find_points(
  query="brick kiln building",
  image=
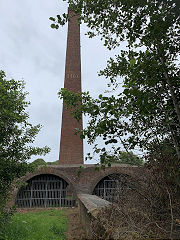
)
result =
(59, 185)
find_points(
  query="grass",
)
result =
(40, 225)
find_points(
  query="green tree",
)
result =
(38, 162)
(16, 137)
(147, 111)
(41, 162)
(127, 158)
(53, 163)
(146, 114)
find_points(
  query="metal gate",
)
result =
(45, 191)
(107, 190)
(112, 187)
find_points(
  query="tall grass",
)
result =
(41, 225)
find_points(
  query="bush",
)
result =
(16, 138)
(151, 209)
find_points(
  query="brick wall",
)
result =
(89, 207)
(71, 146)
(88, 178)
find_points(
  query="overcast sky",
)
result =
(32, 51)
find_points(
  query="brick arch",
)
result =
(41, 171)
(106, 173)
(48, 170)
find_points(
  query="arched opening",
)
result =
(45, 190)
(113, 186)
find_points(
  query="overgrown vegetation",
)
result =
(16, 138)
(145, 115)
(38, 225)
(149, 209)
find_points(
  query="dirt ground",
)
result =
(75, 230)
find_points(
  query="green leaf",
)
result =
(52, 19)
(53, 25)
(132, 62)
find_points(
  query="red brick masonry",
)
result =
(88, 178)
(71, 146)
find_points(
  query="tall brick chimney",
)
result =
(71, 146)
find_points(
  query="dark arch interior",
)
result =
(45, 190)
(112, 186)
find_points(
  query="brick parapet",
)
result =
(89, 207)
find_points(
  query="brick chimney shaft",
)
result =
(71, 146)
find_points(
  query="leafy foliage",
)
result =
(145, 115)
(53, 163)
(41, 162)
(38, 162)
(16, 136)
(128, 158)
(147, 111)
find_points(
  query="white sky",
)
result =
(32, 51)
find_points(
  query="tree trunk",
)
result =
(175, 101)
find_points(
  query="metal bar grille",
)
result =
(110, 189)
(107, 190)
(45, 191)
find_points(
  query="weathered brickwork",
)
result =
(88, 178)
(89, 208)
(71, 146)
